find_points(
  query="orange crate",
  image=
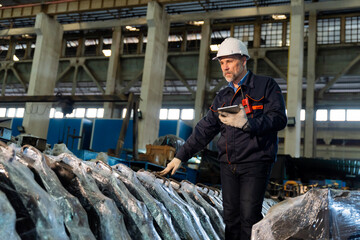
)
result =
(160, 154)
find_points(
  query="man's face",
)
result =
(233, 68)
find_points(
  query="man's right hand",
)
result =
(173, 165)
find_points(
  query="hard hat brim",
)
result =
(218, 58)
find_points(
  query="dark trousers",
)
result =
(243, 189)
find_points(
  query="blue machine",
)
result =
(106, 133)
(75, 133)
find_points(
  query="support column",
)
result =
(294, 78)
(42, 77)
(154, 73)
(310, 136)
(202, 75)
(113, 74)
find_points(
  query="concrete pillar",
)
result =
(11, 50)
(294, 78)
(42, 77)
(113, 74)
(154, 73)
(257, 33)
(202, 75)
(309, 141)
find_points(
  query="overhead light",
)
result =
(279, 16)
(15, 58)
(214, 47)
(107, 52)
(196, 23)
(0, 5)
(130, 28)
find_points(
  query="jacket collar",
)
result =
(249, 81)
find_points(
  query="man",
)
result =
(248, 142)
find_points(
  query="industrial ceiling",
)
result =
(137, 9)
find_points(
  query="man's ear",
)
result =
(244, 61)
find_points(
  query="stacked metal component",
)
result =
(318, 214)
(63, 197)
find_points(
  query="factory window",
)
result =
(187, 114)
(20, 112)
(11, 112)
(245, 33)
(306, 32)
(173, 114)
(91, 112)
(58, 114)
(52, 112)
(353, 115)
(100, 113)
(352, 29)
(2, 112)
(337, 115)
(302, 115)
(71, 115)
(328, 31)
(80, 113)
(163, 114)
(271, 35)
(124, 113)
(130, 44)
(321, 115)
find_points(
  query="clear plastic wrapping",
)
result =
(165, 183)
(7, 219)
(105, 219)
(138, 220)
(318, 214)
(42, 209)
(181, 220)
(204, 218)
(216, 219)
(156, 208)
(75, 217)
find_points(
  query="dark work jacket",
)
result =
(258, 141)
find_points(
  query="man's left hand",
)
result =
(237, 120)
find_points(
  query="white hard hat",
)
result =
(232, 46)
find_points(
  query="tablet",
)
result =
(230, 109)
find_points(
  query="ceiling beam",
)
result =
(72, 6)
(77, 98)
(104, 24)
(338, 76)
(17, 31)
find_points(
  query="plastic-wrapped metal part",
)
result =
(170, 140)
(7, 219)
(204, 218)
(209, 196)
(158, 211)
(105, 219)
(165, 183)
(182, 221)
(318, 214)
(345, 214)
(138, 220)
(48, 221)
(267, 204)
(215, 217)
(75, 217)
(25, 226)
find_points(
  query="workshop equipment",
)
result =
(158, 154)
